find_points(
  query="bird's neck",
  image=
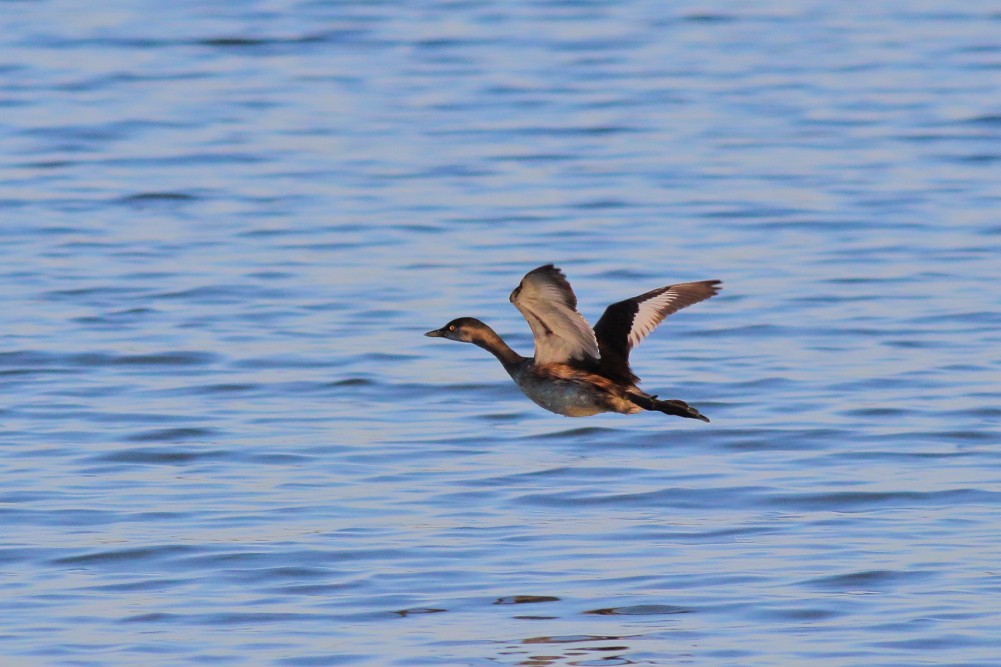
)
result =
(495, 345)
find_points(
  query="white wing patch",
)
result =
(649, 314)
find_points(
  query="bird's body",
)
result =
(578, 371)
(570, 391)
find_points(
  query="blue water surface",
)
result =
(225, 226)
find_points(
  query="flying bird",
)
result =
(578, 371)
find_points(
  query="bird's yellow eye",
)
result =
(451, 327)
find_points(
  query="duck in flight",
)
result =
(578, 371)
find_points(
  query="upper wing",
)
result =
(561, 333)
(628, 322)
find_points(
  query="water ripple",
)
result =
(225, 228)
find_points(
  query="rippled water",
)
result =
(225, 227)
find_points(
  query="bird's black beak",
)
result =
(434, 333)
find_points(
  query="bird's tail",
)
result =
(669, 407)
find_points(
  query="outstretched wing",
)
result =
(549, 305)
(628, 322)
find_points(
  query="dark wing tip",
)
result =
(554, 274)
(550, 270)
(690, 293)
(712, 286)
(686, 294)
(547, 269)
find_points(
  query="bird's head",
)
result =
(462, 329)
